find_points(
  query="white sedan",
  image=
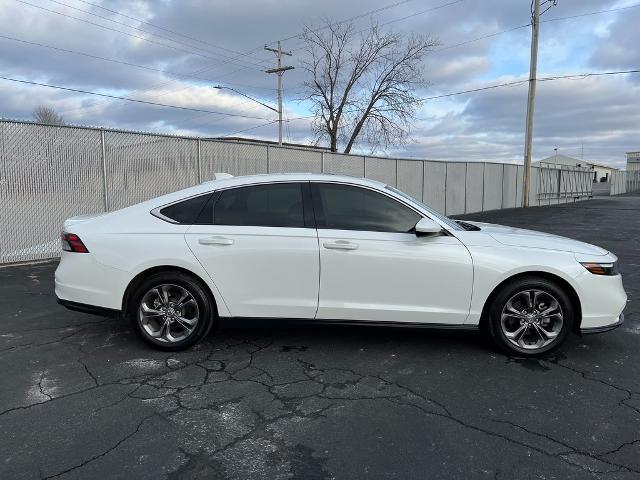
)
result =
(333, 249)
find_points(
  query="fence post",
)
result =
(446, 172)
(466, 172)
(423, 181)
(105, 184)
(321, 162)
(484, 166)
(198, 163)
(502, 188)
(268, 161)
(396, 185)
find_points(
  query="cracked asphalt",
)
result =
(83, 397)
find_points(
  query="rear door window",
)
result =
(272, 205)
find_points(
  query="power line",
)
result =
(501, 85)
(518, 27)
(359, 16)
(522, 82)
(435, 97)
(586, 75)
(474, 90)
(87, 12)
(495, 34)
(514, 83)
(350, 19)
(121, 62)
(116, 97)
(635, 5)
(342, 21)
(147, 90)
(247, 129)
(139, 37)
(96, 5)
(422, 12)
(151, 41)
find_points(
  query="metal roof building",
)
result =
(633, 161)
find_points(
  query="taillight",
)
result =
(72, 243)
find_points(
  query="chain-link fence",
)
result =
(49, 173)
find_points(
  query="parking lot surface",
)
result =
(83, 397)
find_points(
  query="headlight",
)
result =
(610, 268)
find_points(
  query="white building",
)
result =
(633, 161)
(599, 170)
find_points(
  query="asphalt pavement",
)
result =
(82, 397)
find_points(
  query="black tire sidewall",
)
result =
(495, 312)
(195, 288)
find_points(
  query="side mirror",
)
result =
(426, 226)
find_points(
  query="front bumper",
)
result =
(606, 328)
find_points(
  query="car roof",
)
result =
(288, 177)
(226, 182)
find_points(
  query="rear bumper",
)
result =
(606, 328)
(80, 279)
(91, 309)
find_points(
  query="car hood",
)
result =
(519, 237)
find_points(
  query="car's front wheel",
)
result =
(530, 316)
(171, 310)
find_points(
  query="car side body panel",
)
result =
(260, 271)
(602, 298)
(121, 246)
(396, 277)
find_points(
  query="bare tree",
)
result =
(362, 84)
(43, 114)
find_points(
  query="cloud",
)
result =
(601, 114)
(223, 42)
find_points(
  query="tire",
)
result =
(518, 328)
(172, 310)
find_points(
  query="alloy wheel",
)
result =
(532, 319)
(168, 313)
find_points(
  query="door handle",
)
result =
(340, 245)
(215, 241)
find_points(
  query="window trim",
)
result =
(316, 199)
(308, 217)
(309, 212)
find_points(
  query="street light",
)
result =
(220, 87)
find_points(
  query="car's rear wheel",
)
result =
(530, 316)
(171, 310)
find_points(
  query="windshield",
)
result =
(443, 218)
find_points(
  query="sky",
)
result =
(174, 52)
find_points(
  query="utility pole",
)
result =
(279, 70)
(531, 100)
(533, 72)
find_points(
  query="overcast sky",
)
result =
(222, 44)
